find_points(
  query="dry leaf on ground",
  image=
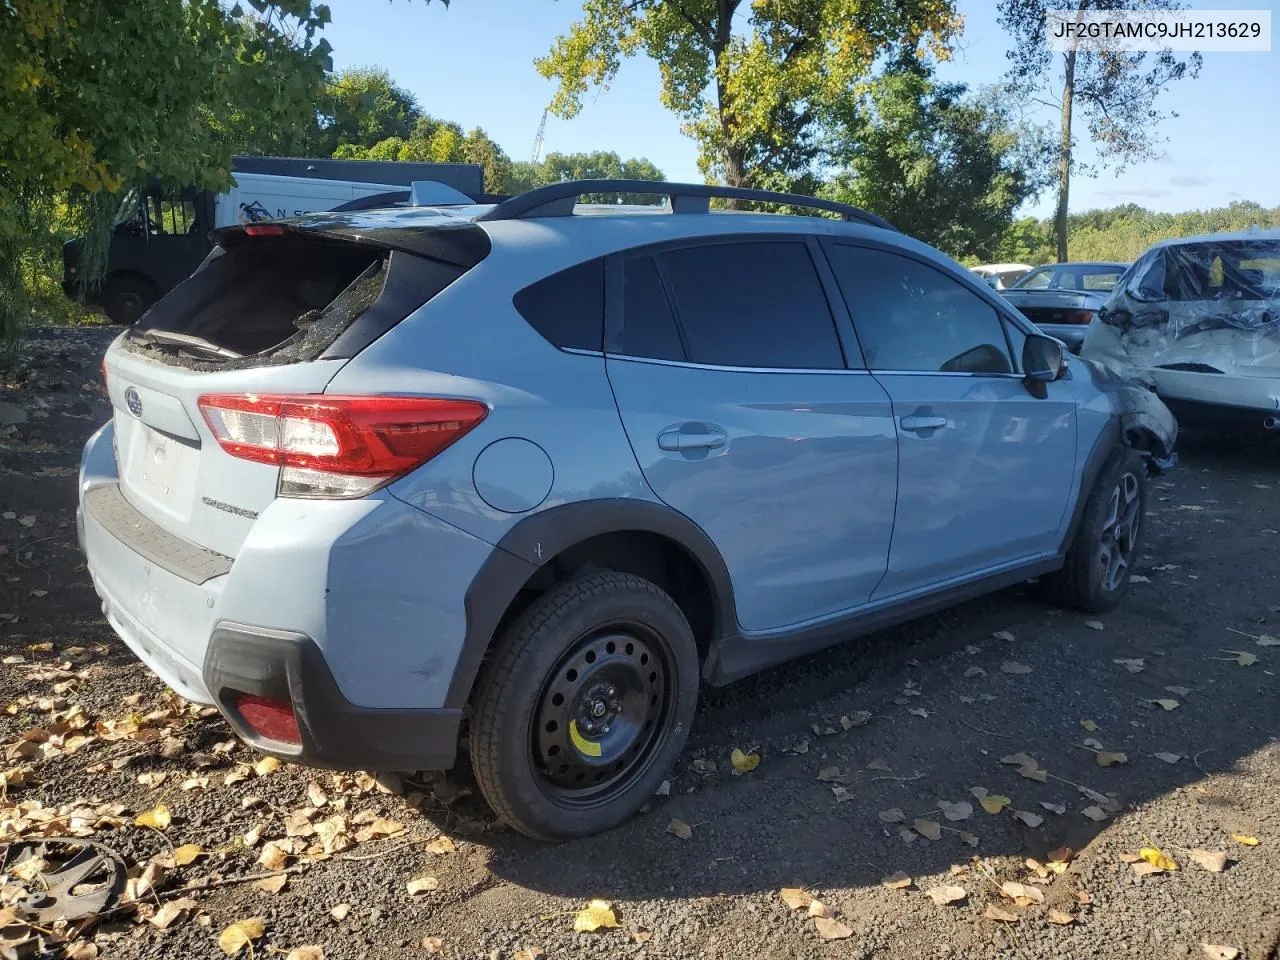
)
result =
(1213, 861)
(1019, 892)
(1062, 855)
(187, 853)
(970, 838)
(1094, 813)
(975, 672)
(1132, 664)
(1030, 819)
(879, 763)
(1244, 838)
(1094, 625)
(829, 929)
(927, 829)
(1215, 952)
(834, 775)
(158, 818)
(1168, 757)
(422, 884)
(1110, 759)
(441, 845)
(819, 909)
(1089, 725)
(892, 815)
(797, 898)
(1165, 704)
(175, 911)
(897, 881)
(680, 829)
(1058, 808)
(744, 762)
(272, 884)
(1003, 635)
(1010, 666)
(598, 915)
(1060, 917)
(919, 712)
(537, 953)
(993, 803)
(1156, 857)
(266, 765)
(841, 794)
(994, 912)
(955, 811)
(308, 952)
(273, 856)
(339, 912)
(947, 894)
(432, 945)
(241, 934)
(1242, 657)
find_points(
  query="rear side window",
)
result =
(755, 304)
(567, 308)
(912, 317)
(648, 325)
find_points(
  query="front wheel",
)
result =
(584, 706)
(1101, 557)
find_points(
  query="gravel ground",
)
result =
(930, 710)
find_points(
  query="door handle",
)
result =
(698, 440)
(919, 423)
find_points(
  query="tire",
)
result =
(125, 298)
(620, 657)
(1096, 574)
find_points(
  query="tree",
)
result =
(362, 107)
(749, 81)
(940, 165)
(439, 141)
(599, 165)
(1116, 90)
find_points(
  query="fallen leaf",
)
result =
(432, 945)
(1168, 757)
(172, 912)
(441, 845)
(994, 912)
(829, 929)
(928, 829)
(1139, 578)
(1267, 641)
(1092, 743)
(975, 672)
(422, 884)
(1094, 624)
(187, 853)
(1030, 819)
(842, 794)
(537, 953)
(1219, 953)
(1210, 860)
(241, 934)
(1106, 759)
(339, 913)
(878, 763)
(797, 898)
(970, 838)
(1244, 838)
(1144, 869)
(908, 835)
(273, 856)
(856, 719)
(833, 775)
(598, 915)
(919, 712)
(195, 783)
(955, 811)
(1021, 891)
(272, 884)
(680, 829)
(1062, 855)
(818, 909)
(1242, 657)
(1154, 856)
(316, 795)
(1010, 666)
(945, 895)
(892, 815)
(897, 881)
(744, 762)
(251, 838)
(1165, 704)
(157, 819)
(1179, 691)
(1089, 725)
(1084, 897)
(81, 950)
(1132, 664)
(1094, 813)
(1060, 917)
(305, 953)
(266, 765)
(993, 802)
(1058, 808)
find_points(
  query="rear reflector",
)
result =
(272, 719)
(337, 446)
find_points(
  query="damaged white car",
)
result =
(1198, 319)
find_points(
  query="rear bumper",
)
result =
(335, 733)
(1260, 394)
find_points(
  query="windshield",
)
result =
(1213, 270)
(1095, 277)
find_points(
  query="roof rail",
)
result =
(559, 199)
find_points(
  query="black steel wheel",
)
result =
(584, 706)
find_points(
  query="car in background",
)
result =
(1002, 276)
(1063, 298)
(1198, 318)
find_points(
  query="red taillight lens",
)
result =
(358, 443)
(272, 719)
(1083, 317)
(264, 230)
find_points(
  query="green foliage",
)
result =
(750, 82)
(361, 107)
(942, 166)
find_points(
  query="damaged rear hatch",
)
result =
(203, 386)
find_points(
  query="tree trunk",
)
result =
(1064, 158)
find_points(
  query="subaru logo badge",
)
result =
(133, 401)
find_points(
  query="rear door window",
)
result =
(910, 316)
(567, 308)
(752, 304)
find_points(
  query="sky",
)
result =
(472, 62)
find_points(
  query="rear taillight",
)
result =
(272, 719)
(337, 446)
(1077, 316)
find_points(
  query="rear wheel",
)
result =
(1096, 572)
(584, 706)
(125, 298)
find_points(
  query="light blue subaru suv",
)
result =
(524, 476)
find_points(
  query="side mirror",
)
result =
(1041, 359)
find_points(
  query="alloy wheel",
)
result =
(1120, 530)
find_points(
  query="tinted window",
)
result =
(567, 307)
(912, 317)
(752, 305)
(648, 326)
(1035, 280)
